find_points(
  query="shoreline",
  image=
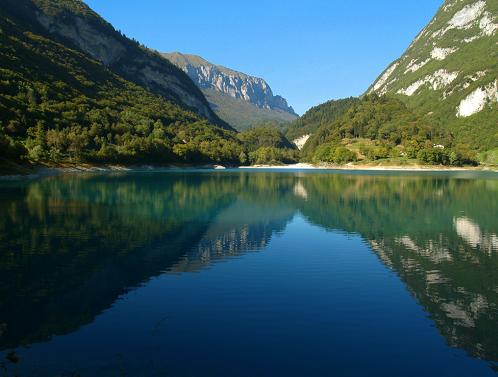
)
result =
(428, 168)
(43, 171)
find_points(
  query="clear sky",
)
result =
(309, 51)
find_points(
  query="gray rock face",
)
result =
(229, 82)
(97, 38)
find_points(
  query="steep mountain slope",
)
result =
(237, 98)
(265, 136)
(57, 103)
(450, 72)
(319, 116)
(72, 22)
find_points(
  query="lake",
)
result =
(250, 273)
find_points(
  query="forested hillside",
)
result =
(318, 116)
(57, 103)
(74, 24)
(73, 89)
(450, 72)
(379, 128)
(437, 103)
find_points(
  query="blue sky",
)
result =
(308, 51)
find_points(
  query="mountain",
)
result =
(450, 72)
(239, 99)
(73, 23)
(437, 103)
(72, 89)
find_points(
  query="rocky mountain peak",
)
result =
(229, 82)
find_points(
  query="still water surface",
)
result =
(233, 273)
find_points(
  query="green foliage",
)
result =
(57, 104)
(435, 156)
(457, 157)
(319, 116)
(489, 157)
(377, 152)
(266, 145)
(265, 136)
(393, 131)
(376, 118)
(333, 154)
(475, 66)
(272, 155)
(10, 149)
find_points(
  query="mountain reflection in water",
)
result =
(70, 246)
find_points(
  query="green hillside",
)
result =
(318, 116)
(450, 72)
(268, 145)
(73, 89)
(379, 128)
(438, 103)
(58, 104)
(74, 24)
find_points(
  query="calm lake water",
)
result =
(238, 273)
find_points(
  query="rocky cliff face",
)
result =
(72, 22)
(451, 65)
(208, 76)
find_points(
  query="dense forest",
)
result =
(59, 105)
(377, 128)
(318, 116)
(469, 59)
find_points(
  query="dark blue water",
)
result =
(250, 274)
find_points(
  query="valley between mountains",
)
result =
(75, 91)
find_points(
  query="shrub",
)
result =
(338, 155)
(324, 153)
(434, 156)
(271, 155)
(343, 155)
(462, 155)
(377, 153)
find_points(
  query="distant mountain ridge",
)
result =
(226, 88)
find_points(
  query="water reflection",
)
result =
(438, 234)
(70, 246)
(470, 231)
(242, 227)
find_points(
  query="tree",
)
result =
(343, 155)
(243, 158)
